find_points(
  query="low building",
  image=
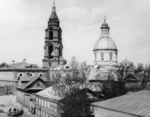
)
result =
(47, 103)
(130, 105)
(10, 73)
(26, 91)
(135, 80)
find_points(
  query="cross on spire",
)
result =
(104, 18)
(53, 2)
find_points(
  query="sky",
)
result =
(23, 24)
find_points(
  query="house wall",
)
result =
(46, 108)
(23, 98)
(20, 97)
(9, 78)
(101, 112)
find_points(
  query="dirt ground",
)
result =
(9, 101)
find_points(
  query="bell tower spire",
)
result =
(53, 42)
(54, 8)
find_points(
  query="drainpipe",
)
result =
(14, 82)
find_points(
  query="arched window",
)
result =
(111, 56)
(102, 56)
(50, 50)
(51, 34)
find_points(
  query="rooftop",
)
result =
(134, 103)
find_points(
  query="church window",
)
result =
(50, 50)
(51, 34)
(102, 56)
(111, 56)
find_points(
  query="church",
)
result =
(105, 52)
(105, 49)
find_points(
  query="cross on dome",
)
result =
(104, 24)
(53, 2)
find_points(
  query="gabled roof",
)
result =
(135, 103)
(33, 80)
(137, 77)
(130, 77)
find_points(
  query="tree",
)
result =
(125, 68)
(2, 64)
(140, 68)
(71, 85)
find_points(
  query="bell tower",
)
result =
(53, 42)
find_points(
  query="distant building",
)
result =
(12, 73)
(53, 48)
(138, 80)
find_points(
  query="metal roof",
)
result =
(22, 66)
(137, 103)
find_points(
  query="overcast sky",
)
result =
(23, 24)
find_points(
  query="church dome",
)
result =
(105, 43)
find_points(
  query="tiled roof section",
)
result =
(135, 103)
(25, 78)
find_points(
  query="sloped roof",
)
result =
(130, 77)
(135, 103)
(25, 78)
(49, 93)
(138, 77)
(21, 65)
(33, 79)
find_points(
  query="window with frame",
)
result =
(45, 103)
(102, 56)
(39, 101)
(111, 56)
(36, 100)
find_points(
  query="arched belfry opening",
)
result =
(51, 34)
(50, 51)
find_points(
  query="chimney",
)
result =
(24, 60)
(13, 61)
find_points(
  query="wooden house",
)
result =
(25, 91)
